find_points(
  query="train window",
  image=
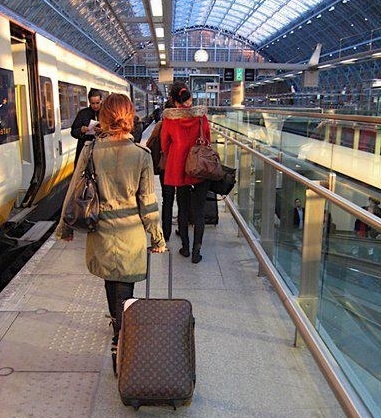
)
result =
(8, 111)
(72, 99)
(347, 137)
(367, 140)
(47, 105)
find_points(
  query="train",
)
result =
(43, 85)
(347, 145)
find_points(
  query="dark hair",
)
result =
(169, 103)
(180, 92)
(94, 93)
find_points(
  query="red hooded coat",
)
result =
(179, 132)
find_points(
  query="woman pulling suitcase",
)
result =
(117, 250)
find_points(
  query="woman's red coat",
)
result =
(179, 132)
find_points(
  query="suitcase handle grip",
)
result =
(148, 276)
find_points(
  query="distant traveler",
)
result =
(298, 214)
(362, 230)
(80, 126)
(179, 132)
(167, 192)
(157, 113)
(138, 129)
(117, 250)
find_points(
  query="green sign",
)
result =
(239, 74)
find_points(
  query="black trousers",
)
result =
(195, 197)
(117, 293)
(168, 196)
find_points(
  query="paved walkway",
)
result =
(54, 338)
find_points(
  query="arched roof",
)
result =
(118, 33)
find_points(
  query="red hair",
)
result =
(116, 115)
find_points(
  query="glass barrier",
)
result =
(329, 259)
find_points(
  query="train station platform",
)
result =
(55, 337)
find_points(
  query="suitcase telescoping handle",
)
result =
(148, 278)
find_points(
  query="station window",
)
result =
(47, 105)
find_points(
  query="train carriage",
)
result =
(43, 85)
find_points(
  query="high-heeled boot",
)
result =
(196, 256)
(114, 344)
(114, 349)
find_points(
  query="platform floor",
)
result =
(55, 339)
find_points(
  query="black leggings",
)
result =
(192, 197)
(117, 293)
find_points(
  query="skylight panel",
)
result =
(138, 8)
(249, 19)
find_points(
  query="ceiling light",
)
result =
(162, 56)
(159, 32)
(376, 55)
(325, 66)
(163, 62)
(348, 61)
(161, 46)
(156, 7)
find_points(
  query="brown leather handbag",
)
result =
(202, 161)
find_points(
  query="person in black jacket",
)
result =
(137, 132)
(298, 214)
(80, 126)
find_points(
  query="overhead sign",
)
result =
(228, 74)
(239, 74)
(249, 74)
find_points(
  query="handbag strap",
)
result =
(90, 167)
(201, 140)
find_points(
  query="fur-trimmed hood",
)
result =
(184, 112)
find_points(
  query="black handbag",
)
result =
(82, 209)
(224, 186)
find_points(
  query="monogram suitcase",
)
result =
(156, 350)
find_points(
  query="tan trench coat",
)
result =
(129, 210)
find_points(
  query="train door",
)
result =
(23, 47)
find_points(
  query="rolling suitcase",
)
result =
(211, 210)
(156, 350)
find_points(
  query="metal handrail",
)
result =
(349, 399)
(376, 120)
(346, 395)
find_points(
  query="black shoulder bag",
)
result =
(82, 209)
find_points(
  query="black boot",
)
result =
(184, 251)
(114, 349)
(196, 256)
